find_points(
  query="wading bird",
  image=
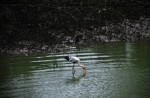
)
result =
(75, 60)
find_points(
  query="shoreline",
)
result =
(43, 48)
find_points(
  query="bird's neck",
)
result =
(84, 68)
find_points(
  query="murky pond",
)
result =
(117, 70)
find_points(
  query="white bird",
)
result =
(75, 60)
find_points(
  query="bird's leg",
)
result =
(73, 70)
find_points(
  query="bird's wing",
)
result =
(74, 59)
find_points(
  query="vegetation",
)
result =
(34, 23)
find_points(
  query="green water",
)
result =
(117, 70)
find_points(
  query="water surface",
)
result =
(116, 70)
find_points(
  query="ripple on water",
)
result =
(112, 72)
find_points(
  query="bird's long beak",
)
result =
(84, 71)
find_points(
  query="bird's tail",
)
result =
(67, 58)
